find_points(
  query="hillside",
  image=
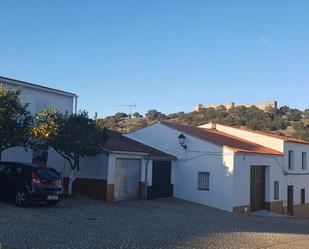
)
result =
(284, 121)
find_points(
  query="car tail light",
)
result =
(36, 180)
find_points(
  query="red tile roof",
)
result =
(283, 138)
(223, 139)
(117, 142)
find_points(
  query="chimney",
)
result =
(213, 126)
(210, 125)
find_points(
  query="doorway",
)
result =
(257, 188)
(290, 198)
(161, 180)
(127, 179)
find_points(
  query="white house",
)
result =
(39, 98)
(234, 169)
(125, 170)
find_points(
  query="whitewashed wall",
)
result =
(42, 99)
(38, 100)
(298, 181)
(273, 172)
(90, 167)
(271, 142)
(200, 156)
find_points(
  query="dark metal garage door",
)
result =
(127, 179)
(161, 180)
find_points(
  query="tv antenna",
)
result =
(131, 106)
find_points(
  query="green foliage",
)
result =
(15, 120)
(278, 121)
(137, 115)
(294, 115)
(78, 136)
(120, 116)
(306, 113)
(154, 115)
(44, 128)
(73, 136)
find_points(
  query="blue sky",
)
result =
(168, 55)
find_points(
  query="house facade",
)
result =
(39, 98)
(233, 169)
(294, 181)
(124, 170)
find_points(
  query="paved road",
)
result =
(165, 223)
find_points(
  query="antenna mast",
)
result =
(131, 106)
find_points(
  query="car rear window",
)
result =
(47, 174)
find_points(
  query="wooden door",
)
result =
(257, 188)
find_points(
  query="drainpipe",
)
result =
(75, 105)
(146, 177)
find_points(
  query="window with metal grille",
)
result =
(203, 181)
(304, 160)
(291, 159)
(302, 196)
(276, 190)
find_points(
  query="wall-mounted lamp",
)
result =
(182, 140)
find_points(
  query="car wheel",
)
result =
(51, 203)
(22, 198)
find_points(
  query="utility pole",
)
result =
(131, 106)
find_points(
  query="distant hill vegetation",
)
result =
(283, 121)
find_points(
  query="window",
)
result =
(14, 170)
(302, 196)
(276, 190)
(304, 160)
(291, 159)
(40, 157)
(203, 181)
(2, 169)
(41, 104)
(47, 174)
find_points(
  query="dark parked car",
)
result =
(25, 183)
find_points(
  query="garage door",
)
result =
(127, 179)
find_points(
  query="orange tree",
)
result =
(73, 136)
(15, 121)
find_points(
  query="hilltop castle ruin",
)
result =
(266, 106)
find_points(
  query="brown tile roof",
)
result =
(220, 138)
(283, 138)
(117, 142)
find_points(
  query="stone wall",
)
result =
(266, 106)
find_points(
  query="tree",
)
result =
(73, 136)
(283, 110)
(306, 113)
(120, 116)
(153, 114)
(294, 115)
(137, 115)
(15, 120)
(44, 128)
